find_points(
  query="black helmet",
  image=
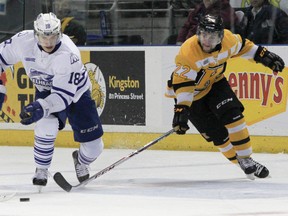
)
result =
(211, 23)
(210, 31)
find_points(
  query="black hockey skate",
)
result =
(247, 165)
(82, 171)
(40, 177)
(262, 171)
(252, 168)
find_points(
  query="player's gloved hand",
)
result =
(2, 94)
(31, 113)
(180, 120)
(269, 59)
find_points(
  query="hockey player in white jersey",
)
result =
(53, 63)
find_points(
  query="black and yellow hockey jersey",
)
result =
(196, 71)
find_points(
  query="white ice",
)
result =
(152, 183)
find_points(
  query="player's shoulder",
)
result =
(190, 43)
(190, 47)
(190, 51)
(67, 58)
(66, 41)
(230, 39)
(23, 37)
(24, 34)
(68, 46)
(22, 41)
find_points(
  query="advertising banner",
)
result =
(263, 93)
(118, 87)
(124, 75)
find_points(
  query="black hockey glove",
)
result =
(180, 120)
(31, 113)
(269, 59)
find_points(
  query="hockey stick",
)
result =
(62, 182)
(7, 196)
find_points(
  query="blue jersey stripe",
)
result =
(63, 98)
(83, 84)
(63, 91)
(3, 60)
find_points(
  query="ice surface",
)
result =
(152, 183)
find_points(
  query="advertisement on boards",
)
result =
(124, 74)
(118, 87)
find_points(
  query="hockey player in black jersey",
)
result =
(204, 96)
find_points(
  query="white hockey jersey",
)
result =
(61, 72)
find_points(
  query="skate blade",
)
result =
(269, 176)
(39, 188)
(251, 176)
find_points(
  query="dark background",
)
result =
(122, 64)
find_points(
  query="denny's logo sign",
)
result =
(262, 93)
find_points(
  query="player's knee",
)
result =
(92, 149)
(217, 135)
(220, 140)
(231, 116)
(47, 127)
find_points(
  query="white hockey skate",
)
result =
(82, 171)
(40, 178)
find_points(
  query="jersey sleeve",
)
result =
(247, 49)
(69, 83)
(10, 52)
(184, 78)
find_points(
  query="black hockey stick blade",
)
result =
(61, 181)
(65, 185)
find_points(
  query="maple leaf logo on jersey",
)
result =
(73, 58)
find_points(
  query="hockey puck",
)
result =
(24, 199)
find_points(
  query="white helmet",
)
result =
(47, 24)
